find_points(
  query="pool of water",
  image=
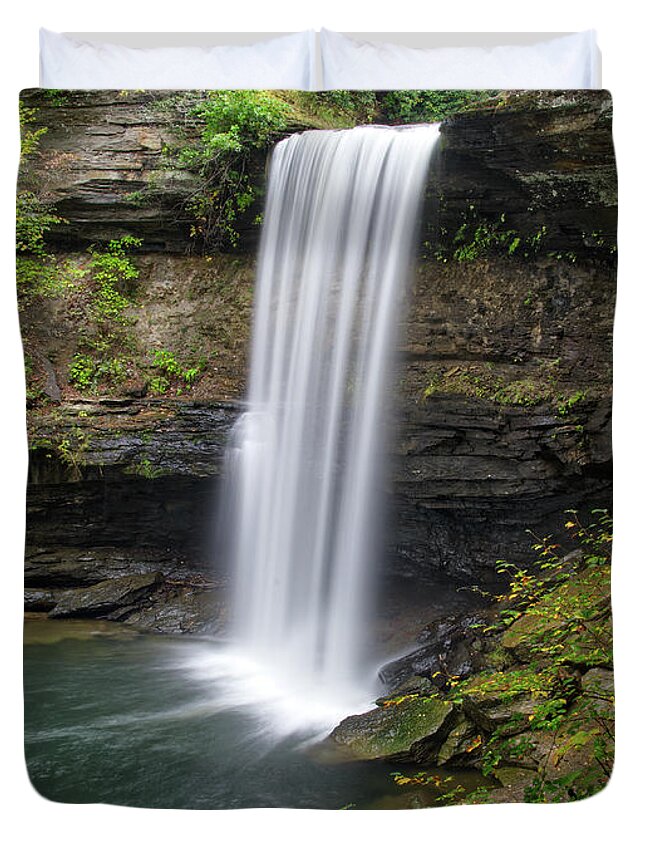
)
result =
(112, 716)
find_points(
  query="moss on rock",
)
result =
(405, 728)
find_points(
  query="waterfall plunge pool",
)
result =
(114, 716)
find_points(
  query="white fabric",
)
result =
(566, 62)
(285, 62)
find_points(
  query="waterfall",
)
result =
(304, 468)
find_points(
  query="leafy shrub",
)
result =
(167, 362)
(158, 385)
(36, 271)
(111, 269)
(82, 370)
(359, 106)
(236, 120)
(29, 136)
(235, 125)
(411, 107)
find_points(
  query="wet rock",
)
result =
(75, 567)
(39, 600)
(411, 728)
(175, 610)
(51, 386)
(542, 158)
(417, 685)
(105, 597)
(519, 638)
(454, 651)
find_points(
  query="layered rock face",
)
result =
(505, 409)
(504, 392)
(540, 160)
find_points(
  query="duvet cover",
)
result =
(318, 392)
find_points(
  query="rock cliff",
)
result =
(504, 392)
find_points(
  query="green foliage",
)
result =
(71, 448)
(235, 126)
(479, 236)
(412, 107)
(171, 371)
(29, 136)
(237, 120)
(82, 371)
(144, 468)
(458, 794)
(558, 603)
(56, 97)
(567, 404)
(358, 106)
(33, 221)
(158, 385)
(112, 269)
(103, 317)
(36, 273)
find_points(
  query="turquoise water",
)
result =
(116, 717)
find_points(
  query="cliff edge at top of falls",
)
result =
(111, 163)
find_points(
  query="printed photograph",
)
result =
(318, 400)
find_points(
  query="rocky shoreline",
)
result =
(522, 691)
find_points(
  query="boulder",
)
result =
(410, 728)
(174, 610)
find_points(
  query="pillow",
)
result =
(285, 62)
(566, 62)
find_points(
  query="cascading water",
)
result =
(304, 466)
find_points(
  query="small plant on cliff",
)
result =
(112, 269)
(102, 315)
(171, 371)
(29, 135)
(72, 447)
(481, 236)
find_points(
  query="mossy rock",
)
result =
(519, 638)
(498, 699)
(408, 728)
(462, 746)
